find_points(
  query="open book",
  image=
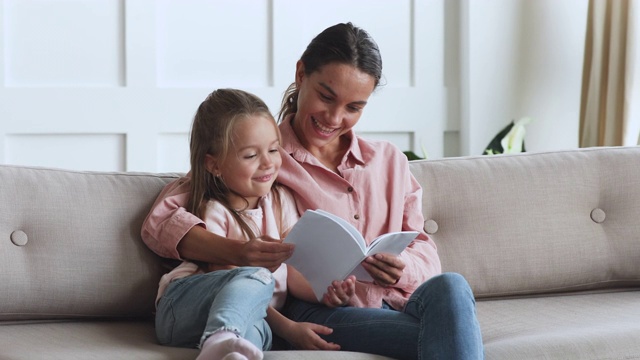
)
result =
(329, 248)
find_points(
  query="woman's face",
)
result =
(330, 103)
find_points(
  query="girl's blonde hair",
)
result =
(211, 133)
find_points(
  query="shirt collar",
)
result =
(292, 145)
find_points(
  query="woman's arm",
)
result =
(168, 221)
(173, 232)
(419, 261)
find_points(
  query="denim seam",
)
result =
(420, 307)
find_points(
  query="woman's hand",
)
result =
(340, 292)
(264, 251)
(306, 336)
(385, 269)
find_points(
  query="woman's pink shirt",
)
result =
(374, 190)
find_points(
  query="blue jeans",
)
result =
(438, 322)
(194, 307)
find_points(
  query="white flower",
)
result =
(512, 142)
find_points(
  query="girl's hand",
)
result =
(385, 269)
(306, 336)
(340, 292)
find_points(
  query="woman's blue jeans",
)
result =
(194, 307)
(438, 322)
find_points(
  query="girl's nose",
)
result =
(266, 162)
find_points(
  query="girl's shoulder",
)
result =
(285, 205)
(282, 192)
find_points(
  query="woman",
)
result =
(411, 310)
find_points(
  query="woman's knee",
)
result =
(447, 289)
(451, 283)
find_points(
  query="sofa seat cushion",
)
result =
(591, 326)
(94, 340)
(124, 340)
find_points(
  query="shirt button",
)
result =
(356, 216)
(350, 189)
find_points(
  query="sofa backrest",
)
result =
(536, 223)
(71, 244)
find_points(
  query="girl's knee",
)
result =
(259, 274)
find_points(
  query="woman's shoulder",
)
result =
(374, 148)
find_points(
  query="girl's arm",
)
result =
(338, 293)
(302, 336)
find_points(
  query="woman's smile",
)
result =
(321, 128)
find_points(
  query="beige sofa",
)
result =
(550, 243)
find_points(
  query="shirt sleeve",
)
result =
(169, 221)
(421, 256)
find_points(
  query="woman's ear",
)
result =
(211, 164)
(299, 72)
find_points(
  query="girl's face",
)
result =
(252, 163)
(330, 103)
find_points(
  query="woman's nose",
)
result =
(335, 116)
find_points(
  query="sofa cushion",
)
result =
(123, 340)
(536, 222)
(590, 326)
(71, 244)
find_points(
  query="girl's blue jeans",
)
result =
(194, 307)
(438, 322)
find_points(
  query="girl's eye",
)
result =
(273, 150)
(250, 156)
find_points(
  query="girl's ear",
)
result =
(299, 72)
(211, 164)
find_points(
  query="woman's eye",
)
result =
(354, 108)
(324, 97)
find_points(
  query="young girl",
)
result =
(235, 160)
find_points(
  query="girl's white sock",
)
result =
(227, 345)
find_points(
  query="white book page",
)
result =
(392, 243)
(324, 251)
(348, 227)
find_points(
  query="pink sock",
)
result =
(227, 345)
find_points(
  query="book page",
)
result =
(348, 227)
(392, 243)
(324, 250)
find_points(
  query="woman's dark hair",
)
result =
(343, 44)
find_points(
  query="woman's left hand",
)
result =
(385, 269)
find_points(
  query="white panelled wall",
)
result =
(113, 84)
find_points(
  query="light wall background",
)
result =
(113, 84)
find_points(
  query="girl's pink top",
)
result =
(267, 219)
(374, 190)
